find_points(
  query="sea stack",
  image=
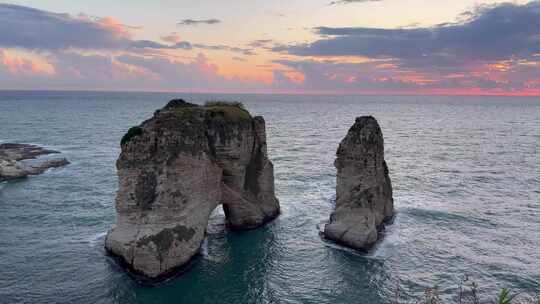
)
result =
(364, 191)
(175, 169)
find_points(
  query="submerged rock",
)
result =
(364, 191)
(175, 169)
(12, 154)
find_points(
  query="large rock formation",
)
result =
(177, 167)
(364, 192)
(12, 154)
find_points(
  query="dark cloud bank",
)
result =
(451, 55)
(490, 33)
(29, 28)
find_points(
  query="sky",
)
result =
(461, 47)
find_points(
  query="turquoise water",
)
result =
(466, 182)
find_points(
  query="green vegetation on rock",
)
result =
(132, 132)
(232, 111)
(229, 113)
(224, 103)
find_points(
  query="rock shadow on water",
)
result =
(119, 264)
(245, 255)
(240, 277)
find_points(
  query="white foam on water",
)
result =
(97, 238)
(204, 249)
(390, 240)
(320, 226)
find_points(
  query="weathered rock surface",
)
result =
(364, 191)
(175, 169)
(12, 154)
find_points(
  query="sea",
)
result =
(465, 172)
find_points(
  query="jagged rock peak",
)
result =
(175, 169)
(364, 191)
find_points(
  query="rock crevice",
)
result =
(364, 191)
(175, 169)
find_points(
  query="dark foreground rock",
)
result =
(175, 169)
(12, 154)
(364, 191)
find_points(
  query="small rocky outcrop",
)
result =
(12, 155)
(175, 169)
(364, 191)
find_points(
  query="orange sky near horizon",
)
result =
(261, 47)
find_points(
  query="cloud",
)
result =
(490, 33)
(29, 28)
(197, 22)
(224, 48)
(21, 66)
(74, 70)
(183, 45)
(36, 29)
(340, 76)
(260, 43)
(494, 48)
(175, 73)
(149, 44)
(491, 48)
(351, 1)
(331, 75)
(66, 69)
(46, 50)
(172, 38)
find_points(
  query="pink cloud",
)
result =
(115, 26)
(19, 65)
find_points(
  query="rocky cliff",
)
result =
(175, 169)
(364, 191)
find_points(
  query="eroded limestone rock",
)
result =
(364, 191)
(12, 155)
(175, 169)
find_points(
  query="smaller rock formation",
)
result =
(175, 169)
(364, 191)
(12, 155)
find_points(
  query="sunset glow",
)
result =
(458, 49)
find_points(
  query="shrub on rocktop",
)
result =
(132, 132)
(223, 103)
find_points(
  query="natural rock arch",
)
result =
(175, 169)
